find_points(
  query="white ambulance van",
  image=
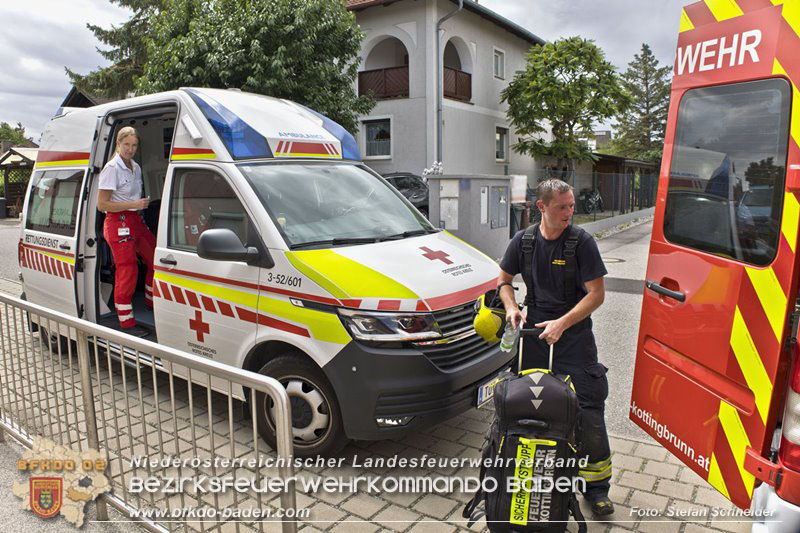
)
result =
(278, 252)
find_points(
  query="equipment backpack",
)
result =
(531, 454)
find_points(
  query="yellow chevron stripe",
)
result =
(751, 364)
(778, 70)
(738, 441)
(724, 9)
(791, 13)
(356, 279)
(686, 22)
(231, 295)
(58, 257)
(316, 277)
(715, 477)
(791, 216)
(770, 294)
(323, 326)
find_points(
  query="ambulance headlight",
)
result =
(377, 326)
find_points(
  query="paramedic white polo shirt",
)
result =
(125, 184)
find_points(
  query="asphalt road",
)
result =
(9, 236)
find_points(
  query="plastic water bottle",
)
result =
(509, 339)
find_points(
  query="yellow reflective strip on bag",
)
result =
(520, 500)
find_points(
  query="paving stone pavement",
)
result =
(645, 478)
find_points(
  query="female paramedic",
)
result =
(120, 197)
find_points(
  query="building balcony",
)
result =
(384, 83)
(457, 84)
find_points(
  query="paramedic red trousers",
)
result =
(127, 235)
(576, 354)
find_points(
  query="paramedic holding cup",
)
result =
(120, 197)
(563, 274)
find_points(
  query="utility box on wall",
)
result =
(473, 208)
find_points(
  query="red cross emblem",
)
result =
(198, 326)
(437, 254)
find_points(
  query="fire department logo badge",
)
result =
(46, 495)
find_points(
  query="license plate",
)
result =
(486, 391)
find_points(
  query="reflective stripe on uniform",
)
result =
(127, 316)
(124, 307)
(596, 471)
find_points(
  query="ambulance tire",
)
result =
(316, 417)
(54, 344)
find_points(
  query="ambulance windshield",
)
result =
(727, 172)
(330, 204)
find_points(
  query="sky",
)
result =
(41, 37)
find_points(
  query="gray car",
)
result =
(412, 187)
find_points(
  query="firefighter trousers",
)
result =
(128, 236)
(576, 354)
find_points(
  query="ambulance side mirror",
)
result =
(222, 244)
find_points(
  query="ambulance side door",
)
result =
(47, 248)
(203, 306)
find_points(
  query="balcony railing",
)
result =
(457, 84)
(384, 82)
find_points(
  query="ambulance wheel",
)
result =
(55, 342)
(316, 417)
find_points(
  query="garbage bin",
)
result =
(2, 208)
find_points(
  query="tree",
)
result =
(570, 85)
(14, 134)
(640, 131)
(128, 53)
(302, 50)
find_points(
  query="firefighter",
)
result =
(564, 282)
(120, 197)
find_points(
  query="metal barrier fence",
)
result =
(80, 394)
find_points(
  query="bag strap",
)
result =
(575, 510)
(469, 512)
(528, 240)
(571, 266)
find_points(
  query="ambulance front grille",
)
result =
(465, 347)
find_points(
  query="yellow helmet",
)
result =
(490, 317)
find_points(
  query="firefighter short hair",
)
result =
(127, 131)
(546, 189)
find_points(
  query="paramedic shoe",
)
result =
(137, 331)
(601, 506)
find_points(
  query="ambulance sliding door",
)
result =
(202, 306)
(719, 282)
(47, 251)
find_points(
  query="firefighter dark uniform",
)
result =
(576, 352)
(127, 235)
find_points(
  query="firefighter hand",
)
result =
(515, 317)
(552, 330)
(143, 202)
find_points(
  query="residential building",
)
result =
(480, 53)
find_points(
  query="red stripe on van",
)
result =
(388, 305)
(156, 294)
(61, 269)
(165, 291)
(70, 270)
(193, 301)
(47, 259)
(460, 297)
(263, 320)
(51, 250)
(191, 151)
(52, 156)
(208, 303)
(177, 293)
(225, 309)
(421, 306)
(352, 303)
(308, 148)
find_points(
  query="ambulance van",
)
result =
(716, 380)
(278, 252)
